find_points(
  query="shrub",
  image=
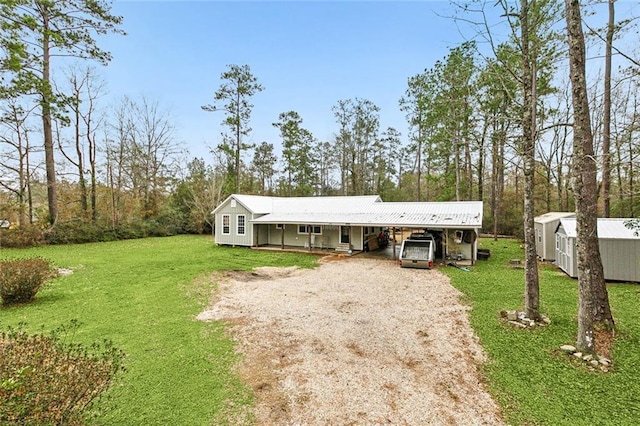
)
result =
(46, 381)
(20, 279)
(24, 236)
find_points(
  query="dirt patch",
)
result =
(359, 341)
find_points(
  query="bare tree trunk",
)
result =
(593, 300)
(606, 121)
(419, 163)
(52, 194)
(529, 86)
(80, 164)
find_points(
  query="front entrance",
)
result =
(345, 235)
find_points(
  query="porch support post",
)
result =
(282, 236)
(309, 228)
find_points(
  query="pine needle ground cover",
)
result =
(534, 382)
(143, 295)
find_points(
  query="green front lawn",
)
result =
(143, 295)
(533, 383)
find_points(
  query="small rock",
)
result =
(515, 261)
(546, 320)
(518, 324)
(64, 271)
(594, 362)
(568, 348)
(512, 315)
(604, 369)
(522, 316)
(577, 354)
(588, 358)
(604, 361)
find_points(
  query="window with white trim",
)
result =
(226, 224)
(279, 226)
(240, 225)
(315, 229)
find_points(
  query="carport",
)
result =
(455, 225)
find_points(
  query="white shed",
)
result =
(545, 227)
(619, 249)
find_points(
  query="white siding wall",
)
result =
(328, 238)
(621, 259)
(566, 253)
(234, 238)
(549, 240)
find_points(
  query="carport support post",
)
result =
(393, 241)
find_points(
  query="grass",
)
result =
(534, 383)
(143, 295)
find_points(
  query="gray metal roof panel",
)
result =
(552, 216)
(608, 229)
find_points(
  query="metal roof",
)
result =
(464, 214)
(259, 204)
(552, 216)
(608, 229)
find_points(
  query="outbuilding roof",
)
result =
(552, 216)
(608, 229)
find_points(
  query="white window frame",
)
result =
(244, 224)
(306, 229)
(228, 225)
(279, 226)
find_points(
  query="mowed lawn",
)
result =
(532, 380)
(143, 295)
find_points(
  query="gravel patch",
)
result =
(355, 341)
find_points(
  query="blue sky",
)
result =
(307, 55)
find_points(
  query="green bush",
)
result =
(20, 279)
(24, 236)
(78, 232)
(45, 381)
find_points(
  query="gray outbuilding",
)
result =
(619, 249)
(545, 228)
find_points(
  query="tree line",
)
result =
(516, 125)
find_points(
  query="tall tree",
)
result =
(43, 30)
(143, 155)
(606, 120)
(233, 98)
(263, 164)
(417, 103)
(15, 150)
(85, 90)
(529, 129)
(359, 122)
(593, 299)
(297, 149)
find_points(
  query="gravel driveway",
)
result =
(355, 341)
